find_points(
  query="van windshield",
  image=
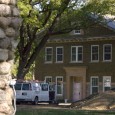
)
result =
(18, 86)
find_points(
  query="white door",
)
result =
(44, 92)
(76, 91)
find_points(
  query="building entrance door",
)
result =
(76, 91)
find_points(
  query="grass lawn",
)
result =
(62, 112)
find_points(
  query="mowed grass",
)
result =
(62, 112)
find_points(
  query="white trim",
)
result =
(104, 53)
(61, 85)
(91, 83)
(60, 54)
(91, 54)
(76, 60)
(46, 55)
(104, 77)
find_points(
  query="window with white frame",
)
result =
(78, 31)
(59, 85)
(59, 54)
(48, 79)
(94, 53)
(107, 52)
(48, 54)
(106, 83)
(94, 84)
(76, 53)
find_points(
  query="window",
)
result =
(26, 87)
(78, 31)
(94, 84)
(48, 79)
(59, 85)
(106, 83)
(18, 86)
(59, 54)
(107, 52)
(44, 87)
(76, 54)
(48, 54)
(94, 53)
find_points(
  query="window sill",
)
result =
(48, 62)
(59, 94)
(76, 62)
(59, 62)
(107, 61)
(94, 61)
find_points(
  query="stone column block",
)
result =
(3, 54)
(5, 10)
(2, 34)
(13, 2)
(5, 43)
(5, 68)
(15, 12)
(5, 22)
(10, 32)
(2, 84)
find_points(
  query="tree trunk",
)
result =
(9, 25)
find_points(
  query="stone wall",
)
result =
(9, 25)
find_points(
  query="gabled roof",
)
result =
(108, 21)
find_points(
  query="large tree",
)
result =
(42, 18)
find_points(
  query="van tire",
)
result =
(35, 101)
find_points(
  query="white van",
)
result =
(32, 92)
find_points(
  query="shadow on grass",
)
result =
(62, 112)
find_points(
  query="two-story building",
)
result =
(80, 63)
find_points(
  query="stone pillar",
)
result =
(9, 26)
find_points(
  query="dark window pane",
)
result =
(59, 50)
(73, 50)
(49, 50)
(94, 56)
(107, 48)
(106, 88)
(107, 56)
(44, 87)
(59, 58)
(59, 89)
(25, 87)
(94, 90)
(80, 57)
(18, 86)
(49, 58)
(73, 57)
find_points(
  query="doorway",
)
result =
(76, 91)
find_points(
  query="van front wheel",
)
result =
(35, 101)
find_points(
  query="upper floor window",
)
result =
(76, 54)
(94, 53)
(78, 31)
(107, 52)
(48, 54)
(59, 54)
(94, 84)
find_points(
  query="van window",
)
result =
(25, 87)
(44, 87)
(18, 86)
